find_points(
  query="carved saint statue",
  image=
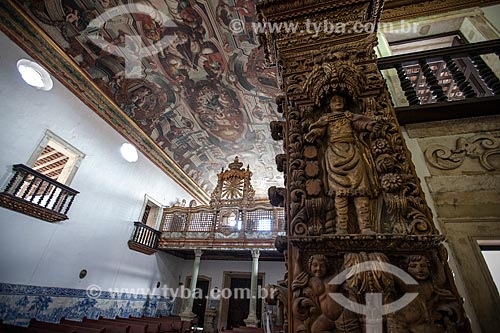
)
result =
(347, 172)
(313, 305)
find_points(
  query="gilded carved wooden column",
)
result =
(359, 232)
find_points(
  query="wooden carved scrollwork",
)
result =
(277, 130)
(481, 147)
(405, 211)
(277, 196)
(296, 174)
(280, 162)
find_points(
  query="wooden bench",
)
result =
(153, 327)
(22, 329)
(178, 325)
(111, 322)
(110, 327)
(134, 327)
(166, 325)
(63, 328)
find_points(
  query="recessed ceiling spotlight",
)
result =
(129, 153)
(34, 74)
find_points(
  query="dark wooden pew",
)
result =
(21, 329)
(153, 327)
(135, 327)
(177, 324)
(166, 325)
(110, 328)
(111, 322)
(61, 327)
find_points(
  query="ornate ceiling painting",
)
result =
(204, 97)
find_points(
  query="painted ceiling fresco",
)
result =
(202, 92)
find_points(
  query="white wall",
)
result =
(492, 259)
(36, 252)
(214, 269)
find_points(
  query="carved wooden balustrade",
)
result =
(144, 238)
(445, 104)
(32, 193)
(256, 225)
(232, 221)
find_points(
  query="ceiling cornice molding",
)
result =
(410, 9)
(25, 32)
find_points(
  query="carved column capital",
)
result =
(255, 253)
(198, 253)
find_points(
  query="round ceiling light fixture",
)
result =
(34, 74)
(129, 153)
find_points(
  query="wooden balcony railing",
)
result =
(144, 238)
(480, 84)
(233, 227)
(32, 193)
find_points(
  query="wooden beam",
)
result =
(467, 108)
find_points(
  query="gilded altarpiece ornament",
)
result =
(351, 194)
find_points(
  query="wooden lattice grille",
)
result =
(224, 221)
(174, 222)
(281, 219)
(260, 220)
(201, 221)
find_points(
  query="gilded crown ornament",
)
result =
(236, 164)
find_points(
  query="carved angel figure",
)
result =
(434, 310)
(313, 305)
(348, 174)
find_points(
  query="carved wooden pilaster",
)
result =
(351, 194)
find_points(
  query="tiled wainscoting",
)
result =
(20, 303)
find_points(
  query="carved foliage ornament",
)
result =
(481, 147)
(342, 77)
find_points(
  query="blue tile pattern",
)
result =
(20, 303)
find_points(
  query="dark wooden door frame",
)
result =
(201, 278)
(224, 303)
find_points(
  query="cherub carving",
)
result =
(434, 310)
(312, 303)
